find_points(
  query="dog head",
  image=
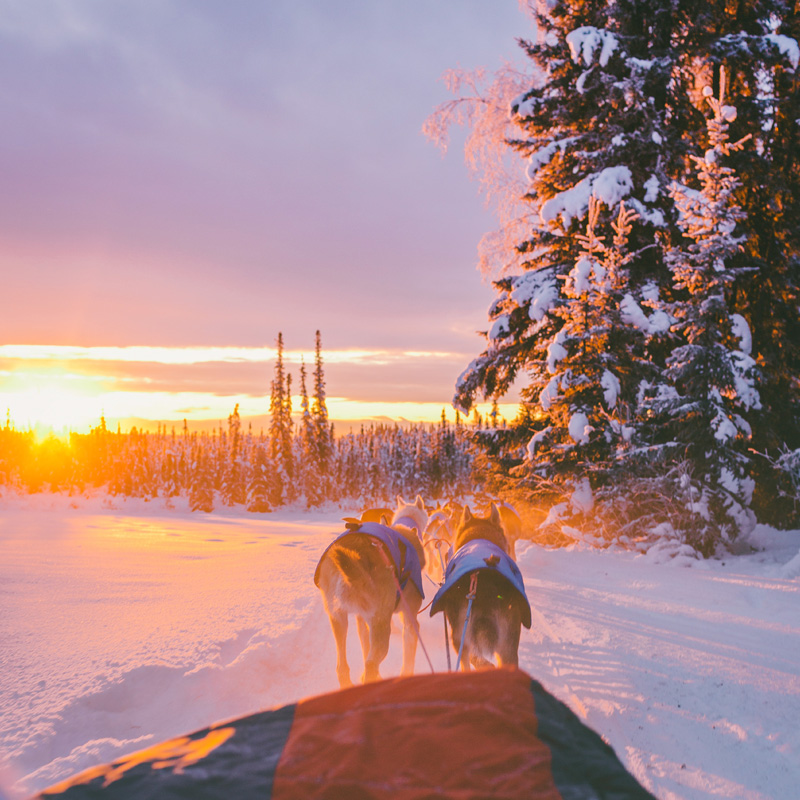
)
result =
(490, 528)
(440, 527)
(411, 519)
(412, 515)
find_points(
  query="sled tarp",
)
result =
(491, 734)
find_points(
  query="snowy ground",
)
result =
(122, 626)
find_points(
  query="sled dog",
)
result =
(512, 526)
(374, 571)
(372, 515)
(500, 606)
(438, 541)
(472, 527)
(411, 515)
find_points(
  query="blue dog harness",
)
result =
(404, 556)
(478, 555)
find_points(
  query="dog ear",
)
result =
(420, 503)
(494, 514)
(400, 501)
(465, 515)
(384, 520)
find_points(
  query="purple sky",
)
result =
(187, 172)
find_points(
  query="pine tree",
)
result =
(233, 487)
(311, 479)
(201, 494)
(712, 372)
(291, 489)
(278, 429)
(259, 486)
(614, 108)
(319, 414)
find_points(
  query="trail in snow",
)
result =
(121, 629)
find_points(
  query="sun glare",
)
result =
(54, 402)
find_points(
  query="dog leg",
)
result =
(379, 633)
(339, 625)
(363, 636)
(508, 647)
(409, 615)
(409, 643)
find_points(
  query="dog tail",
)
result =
(356, 565)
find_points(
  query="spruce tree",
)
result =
(309, 476)
(712, 370)
(614, 109)
(233, 487)
(319, 414)
(278, 429)
(201, 494)
(259, 485)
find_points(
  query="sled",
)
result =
(472, 736)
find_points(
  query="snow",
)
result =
(611, 388)
(651, 186)
(580, 276)
(535, 439)
(584, 43)
(609, 186)
(538, 289)
(556, 351)
(787, 46)
(549, 393)
(124, 625)
(633, 314)
(541, 157)
(579, 427)
(581, 499)
(741, 330)
(500, 328)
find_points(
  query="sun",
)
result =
(51, 401)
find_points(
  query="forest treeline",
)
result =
(293, 461)
(231, 466)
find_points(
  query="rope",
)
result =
(473, 591)
(446, 643)
(444, 616)
(438, 547)
(411, 616)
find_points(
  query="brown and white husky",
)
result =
(374, 571)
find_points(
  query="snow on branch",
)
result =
(787, 46)
(609, 186)
(586, 41)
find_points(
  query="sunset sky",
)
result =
(183, 179)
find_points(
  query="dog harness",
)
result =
(404, 556)
(481, 554)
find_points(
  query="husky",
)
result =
(512, 526)
(374, 571)
(411, 515)
(372, 515)
(472, 527)
(500, 607)
(438, 541)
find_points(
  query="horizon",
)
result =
(150, 387)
